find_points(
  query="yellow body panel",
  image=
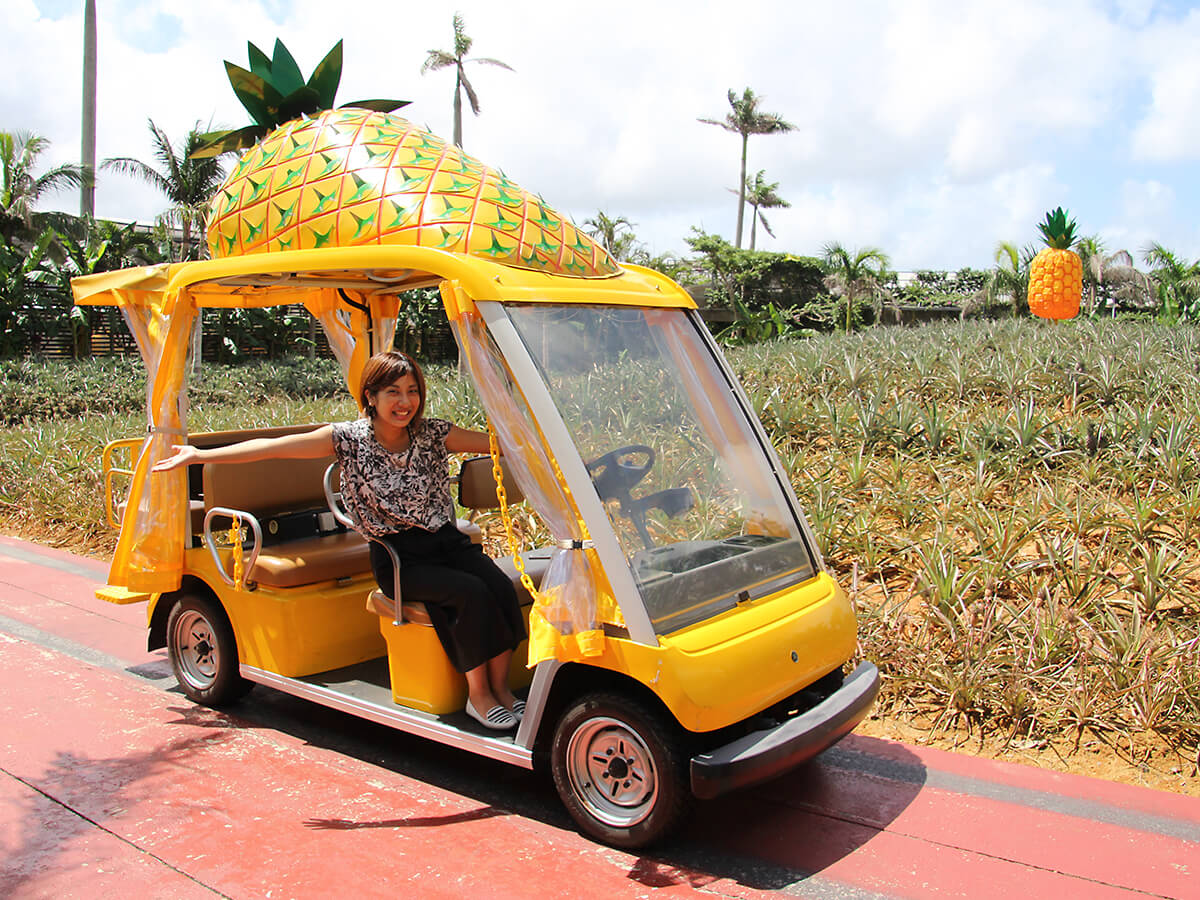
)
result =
(303, 631)
(734, 665)
(421, 675)
(297, 631)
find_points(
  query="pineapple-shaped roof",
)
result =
(358, 175)
(352, 177)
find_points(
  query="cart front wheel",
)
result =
(203, 652)
(619, 770)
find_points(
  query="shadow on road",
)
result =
(75, 794)
(782, 833)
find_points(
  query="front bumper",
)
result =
(764, 754)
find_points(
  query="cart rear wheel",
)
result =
(203, 652)
(620, 770)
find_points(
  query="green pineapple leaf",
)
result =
(1058, 231)
(214, 143)
(273, 91)
(260, 63)
(259, 98)
(285, 74)
(327, 76)
(302, 101)
(382, 106)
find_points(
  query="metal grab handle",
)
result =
(109, 468)
(255, 529)
(398, 616)
(334, 500)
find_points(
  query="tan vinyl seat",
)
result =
(277, 486)
(269, 488)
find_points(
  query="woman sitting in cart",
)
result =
(396, 487)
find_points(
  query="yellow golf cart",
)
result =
(685, 637)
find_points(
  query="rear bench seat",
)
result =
(272, 489)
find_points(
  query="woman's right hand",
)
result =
(184, 454)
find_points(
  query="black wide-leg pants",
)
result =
(471, 602)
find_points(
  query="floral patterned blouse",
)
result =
(384, 491)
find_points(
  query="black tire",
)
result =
(620, 770)
(203, 652)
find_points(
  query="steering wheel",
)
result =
(617, 471)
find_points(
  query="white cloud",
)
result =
(1170, 130)
(1146, 201)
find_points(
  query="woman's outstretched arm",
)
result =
(461, 440)
(307, 445)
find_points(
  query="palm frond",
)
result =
(135, 168)
(489, 61)
(437, 59)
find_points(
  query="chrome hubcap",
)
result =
(196, 650)
(612, 772)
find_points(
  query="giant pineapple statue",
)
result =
(1056, 275)
(317, 177)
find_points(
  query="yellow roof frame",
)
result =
(270, 279)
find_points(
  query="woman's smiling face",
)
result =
(396, 404)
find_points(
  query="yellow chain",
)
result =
(502, 496)
(235, 539)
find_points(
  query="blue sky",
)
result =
(930, 129)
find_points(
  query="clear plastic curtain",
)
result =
(728, 431)
(336, 323)
(352, 335)
(149, 555)
(575, 599)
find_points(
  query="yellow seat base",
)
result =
(421, 674)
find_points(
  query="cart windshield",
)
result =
(695, 506)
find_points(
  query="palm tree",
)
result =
(21, 189)
(187, 182)
(1124, 283)
(1178, 281)
(854, 275)
(1115, 271)
(441, 59)
(614, 234)
(1010, 277)
(746, 119)
(1091, 256)
(760, 194)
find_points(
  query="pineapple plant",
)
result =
(1056, 275)
(357, 175)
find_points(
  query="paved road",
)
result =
(113, 785)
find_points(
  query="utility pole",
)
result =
(87, 193)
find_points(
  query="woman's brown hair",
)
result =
(385, 369)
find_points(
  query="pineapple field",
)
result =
(1013, 506)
